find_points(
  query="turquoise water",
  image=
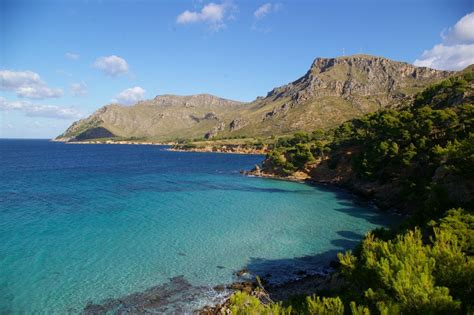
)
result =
(86, 224)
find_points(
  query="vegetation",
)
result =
(427, 265)
(290, 154)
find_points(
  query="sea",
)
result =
(92, 228)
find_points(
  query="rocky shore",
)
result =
(302, 286)
(213, 150)
(230, 149)
(321, 172)
(112, 142)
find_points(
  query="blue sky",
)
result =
(61, 60)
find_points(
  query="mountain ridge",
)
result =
(331, 91)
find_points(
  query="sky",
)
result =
(62, 60)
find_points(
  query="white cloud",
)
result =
(213, 14)
(455, 57)
(72, 56)
(266, 9)
(457, 49)
(36, 110)
(78, 89)
(27, 84)
(461, 32)
(111, 65)
(130, 96)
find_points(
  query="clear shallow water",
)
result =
(94, 223)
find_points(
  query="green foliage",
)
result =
(443, 93)
(242, 303)
(294, 153)
(324, 306)
(429, 268)
(412, 273)
(415, 277)
(359, 309)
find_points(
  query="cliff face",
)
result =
(335, 90)
(359, 75)
(332, 91)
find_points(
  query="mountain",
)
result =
(332, 91)
(164, 117)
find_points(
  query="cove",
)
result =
(91, 227)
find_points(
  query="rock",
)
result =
(246, 286)
(219, 288)
(210, 116)
(214, 131)
(243, 272)
(237, 124)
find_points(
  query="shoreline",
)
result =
(203, 150)
(353, 189)
(112, 142)
(210, 149)
(329, 279)
(306, 284)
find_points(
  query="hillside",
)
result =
(394, 155)
(164, 117)
(332, 91)
(418, 158)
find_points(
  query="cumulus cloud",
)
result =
(130, 96)
(457, 49)
(36, 110)
(212, 14)
(72, 56)
(461, 32)
(266, 9)
(443, 57)
(111, 65)
(27, 84)
(78, 89)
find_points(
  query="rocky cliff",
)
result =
(332, 91)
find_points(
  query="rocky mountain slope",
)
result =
(162, 118)
(332, 91)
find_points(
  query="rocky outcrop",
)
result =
(237, 123)
(214, 131)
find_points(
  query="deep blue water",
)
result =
(94, 224)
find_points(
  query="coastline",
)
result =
(225, 151)
(305, 285)
(329, 279)
(230, 149)
(112, 142)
